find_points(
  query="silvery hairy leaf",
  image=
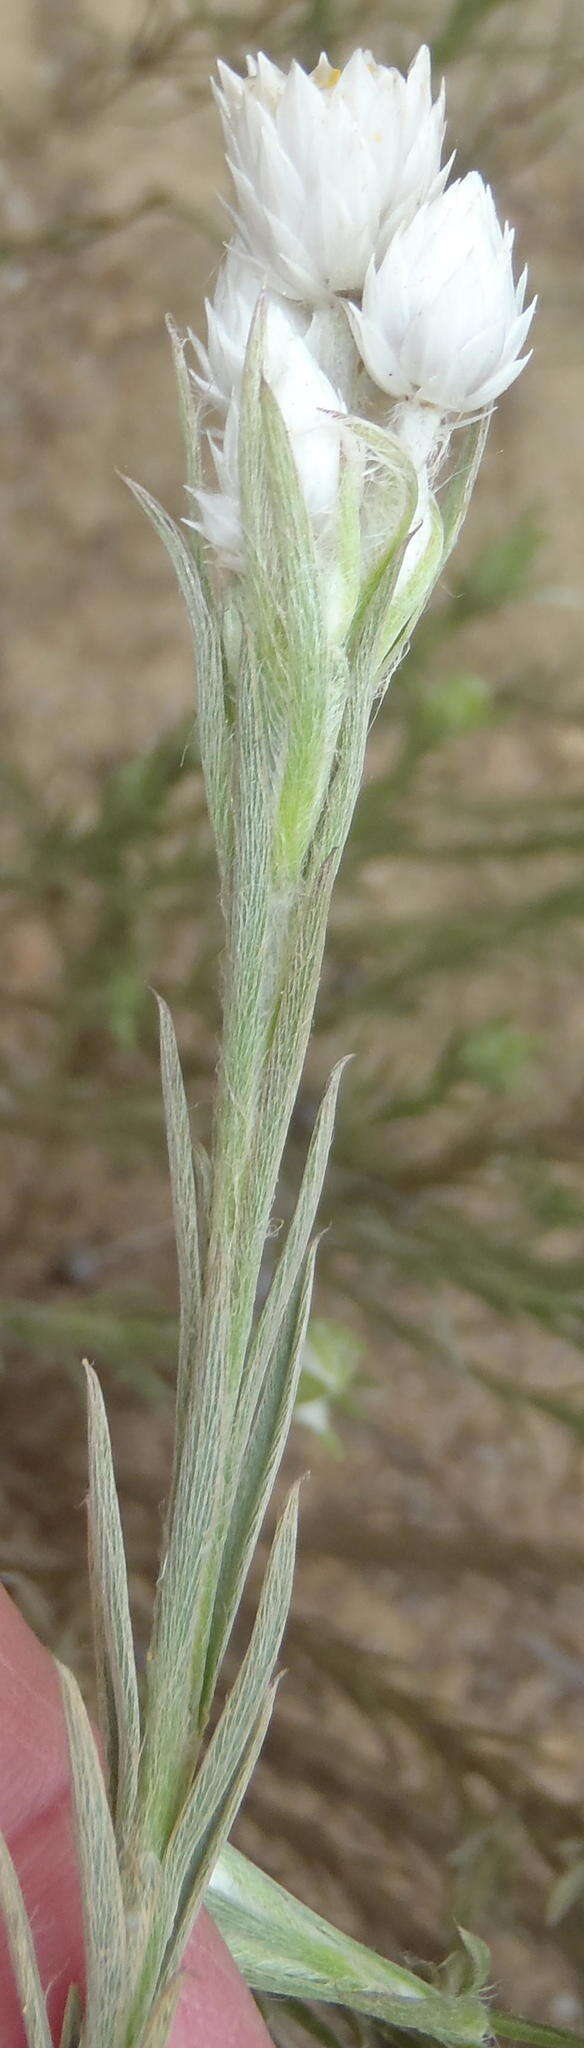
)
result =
(221, 1779)
(184, 1208)
(279, 1076)
(232, 1734)
(23, 1958)
(189, 413)
(204, 1183)
(301, 959)
(341, 551)
(290, 1028)
(157, 2030)
(281, 1946)
(186, 1587)
(345, 782)
(209, 1849)
(255, 1471)
(393, 498)
(410, 595)
(70, 2035)
(317, 675)
(101, 1892)
(306, 680)
(291, 1258)
(455, 498)
(117, 1685)
(248, 963)
(186, 1583)
(282, 569)
(213, 728)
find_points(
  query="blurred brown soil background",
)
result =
(427, 1757)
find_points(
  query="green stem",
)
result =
(274, 961)
(237, 1229)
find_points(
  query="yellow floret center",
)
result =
(326, 75)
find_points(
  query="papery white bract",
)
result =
(315, 416)
(442, 320)
(327, 166)
(239, 286)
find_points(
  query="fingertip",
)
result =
(216, 2009)
(35, 1818)
(33, 1742)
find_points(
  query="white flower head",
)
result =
(326, 166)
(315, 416)
(442, 320)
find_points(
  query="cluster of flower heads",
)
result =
(389, 295)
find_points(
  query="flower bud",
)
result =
(442, 320)
(229, 314)
(314, 414)
(239, 285)
(327, 166)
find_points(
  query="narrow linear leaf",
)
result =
(399, 518)
(209, 1851)
(409, 601)
(230, 1742)
(101, 1892)
(72, 2019)
(145, 1871)
(24, 1962)
(189, 414)
(158, 2028)
(345, 781)
(282, 1947)
(214, 735)
(341, 550)
(291, 528)
(204, 1183)
(456, 498)
(253, 1480)
(177, 1912)
(294, 1009)
(186, 1584)
(306, 675)
(180, 1901)
(305, 947)
(289, 1034)
(184, 1208)
(117, 1684)
(289, 1264)
(247, 992)
(279, 538)
(316, 676)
